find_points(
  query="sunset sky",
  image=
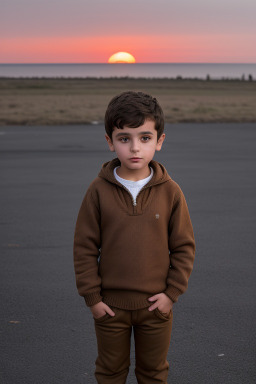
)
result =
(90, 31)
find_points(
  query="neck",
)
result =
(134, 174)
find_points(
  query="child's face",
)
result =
(135, 147)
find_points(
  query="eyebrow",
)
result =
(128, 134)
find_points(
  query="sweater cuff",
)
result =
(173, 293)
(92, 298)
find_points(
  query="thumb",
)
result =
(153, 298)
(109, 311)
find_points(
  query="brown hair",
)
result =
(131, 109)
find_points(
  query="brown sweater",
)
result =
(125, 253)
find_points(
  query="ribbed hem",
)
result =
(130, 300)
(173, 293)
(92, 298)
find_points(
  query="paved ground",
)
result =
(46, 331)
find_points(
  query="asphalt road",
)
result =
(47, 333)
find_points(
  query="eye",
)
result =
(124, 139)
(145, 138)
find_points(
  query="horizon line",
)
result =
(105, 63)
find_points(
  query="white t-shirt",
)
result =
(133, 187)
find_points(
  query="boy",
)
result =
(134, 245)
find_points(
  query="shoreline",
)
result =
(69, 101)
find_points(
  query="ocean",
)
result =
(154, 70)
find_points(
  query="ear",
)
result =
(160, 142)
(110, 144)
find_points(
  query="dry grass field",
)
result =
(79, 101)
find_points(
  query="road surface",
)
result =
(47, 333)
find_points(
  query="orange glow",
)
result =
(156, 49)
(121, 57)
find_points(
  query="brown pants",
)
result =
(152, 334)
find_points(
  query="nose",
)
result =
(135, 146)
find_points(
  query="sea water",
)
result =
(154, 70)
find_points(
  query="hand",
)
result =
(162, 302)
(100, 309)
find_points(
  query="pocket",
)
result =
(102, 318)
(162, 315)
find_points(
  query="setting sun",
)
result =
(121, 57)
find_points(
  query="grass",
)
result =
(45, 101)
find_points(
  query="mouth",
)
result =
(135, 158)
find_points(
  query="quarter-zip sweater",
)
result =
(125, 252)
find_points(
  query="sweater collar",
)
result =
(160, 174)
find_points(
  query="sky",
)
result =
(90, 31)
